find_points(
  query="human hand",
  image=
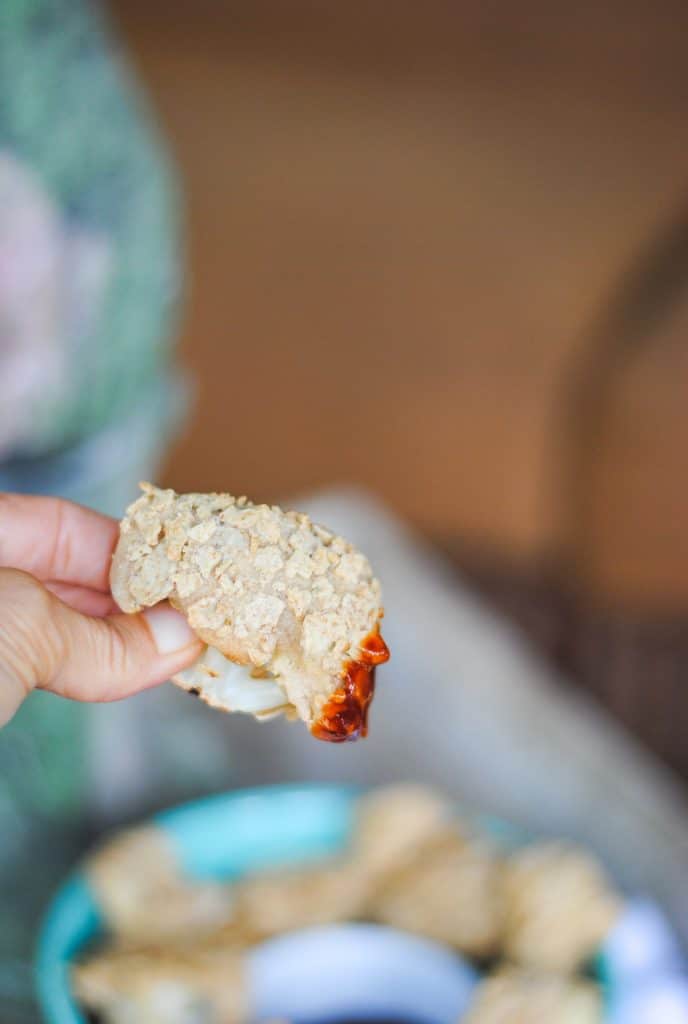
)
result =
(60, 629)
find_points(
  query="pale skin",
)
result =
(60, 629)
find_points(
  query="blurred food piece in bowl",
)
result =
(159, 985)
(144, 895)
(409, 861)
(516, 996)
(558, 907)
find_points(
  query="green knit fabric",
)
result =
(70, 111)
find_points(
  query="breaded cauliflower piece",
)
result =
(394, 824)
(559, 907)
(423, 870)
(158, 985)
(514, 996)
(289, 611)
(278, 902)
(450, 893)
(144, 895)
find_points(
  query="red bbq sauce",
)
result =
(345, 715)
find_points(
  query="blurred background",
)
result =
(433, 255)
(441, 252)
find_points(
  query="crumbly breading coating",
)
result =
(559, 907)
(266, 588)
(514, 996)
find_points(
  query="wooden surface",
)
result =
(402, 221)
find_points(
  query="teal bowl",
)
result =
(221, 837)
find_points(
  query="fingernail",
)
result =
(171, 632)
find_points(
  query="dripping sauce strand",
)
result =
(345, 715)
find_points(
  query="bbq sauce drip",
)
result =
(345, 715)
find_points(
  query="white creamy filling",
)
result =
(228, 685)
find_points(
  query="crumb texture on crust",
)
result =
(267, 588)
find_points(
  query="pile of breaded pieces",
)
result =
(532, 919)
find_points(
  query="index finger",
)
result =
(54, 539)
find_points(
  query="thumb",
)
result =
(45, 644)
